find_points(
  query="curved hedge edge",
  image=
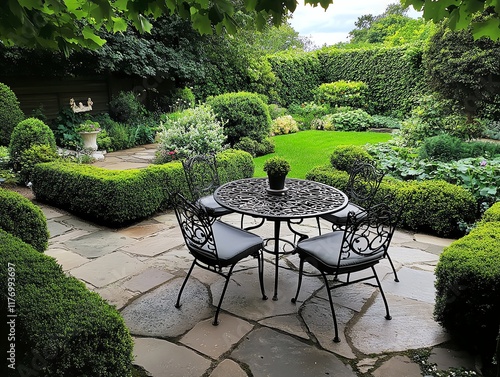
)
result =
(20, 217)
(429, 206)
(117, 198)
(65, 328)
(468, 288)
(492, 213)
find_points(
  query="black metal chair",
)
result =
(215, 246)
(203, 180)
(362, 186)
(360, 246)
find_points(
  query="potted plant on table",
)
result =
(88, 131)
(276, 168)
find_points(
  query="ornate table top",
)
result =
(302, 199)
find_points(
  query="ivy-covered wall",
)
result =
(394, 75)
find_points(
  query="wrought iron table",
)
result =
(302, 199)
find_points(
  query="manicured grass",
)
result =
(307, 149)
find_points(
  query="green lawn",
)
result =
(307, 149)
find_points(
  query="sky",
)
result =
(333, 26)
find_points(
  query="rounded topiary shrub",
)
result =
(245, 114)
(344, 157)
(62, 328)
(126, 108)
(468, 289)
(20, 217)
(31, 132)
(10, 113)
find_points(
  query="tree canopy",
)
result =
(70, 24)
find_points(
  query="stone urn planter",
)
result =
(277, 169)
(89, 139)
(88, 131)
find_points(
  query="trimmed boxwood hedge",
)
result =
(20, 217)
(429, 206)
(61, 329)
(468, 289)
(118, 197)
(492, 213)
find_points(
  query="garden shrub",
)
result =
(4, 157)
(255, 148)
(344, 157)
(243, 114)
(382, 121)
(115, 197)
(351, 120)
(305, 113)
(442, 148)
(62, 329)
(20, 217)
(266, 146)
(32, 156)
(196, 131)
(27, 134)
(342, 93)
(64, 128)
(276, 111)
(10, 113)
(434, 207)
(126, 108)
(492, 214)
(284, 125)
(460, 126)
(468, 289)
(437, 206)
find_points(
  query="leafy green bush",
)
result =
(344, 157)
(468, 287)
(437, 206)
(126, 108)
(284, 125)
(276, 111)
(64, 128)
(492, 130)
(245, 113)
(4, 157)
(342, 93)
(10, 113)
(492, 213)
(431, 206)
(442, 148)
(115, 197)
(382, 121)
(62, 329)
(32, 156)
(305, 113)
(20, 217)
(351, 120)
(255, 148)
(26, 134)
(196, 131)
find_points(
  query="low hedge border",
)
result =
(116, 198)
(468, 289)
(20, 217)
(492, 213)
(429, 206)
(61, 329)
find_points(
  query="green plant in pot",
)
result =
(276, 168)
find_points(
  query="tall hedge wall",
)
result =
(393, 75)
(297, 74)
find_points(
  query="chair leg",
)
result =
(336, 339)
(319, 225)
(260, 259)
(301, 268)
(396, 279)
(177, 304)
(228, 276)
(387, 315)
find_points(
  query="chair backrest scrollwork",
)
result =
(201, 175)
(364, 181)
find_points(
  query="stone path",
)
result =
(139, 269)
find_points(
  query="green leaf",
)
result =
(119, 24)
(89, 33)
(202, 23)
(489, 28)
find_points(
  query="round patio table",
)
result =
(301, 199)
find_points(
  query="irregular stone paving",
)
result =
(139, 269)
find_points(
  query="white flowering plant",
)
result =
(194, 131)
